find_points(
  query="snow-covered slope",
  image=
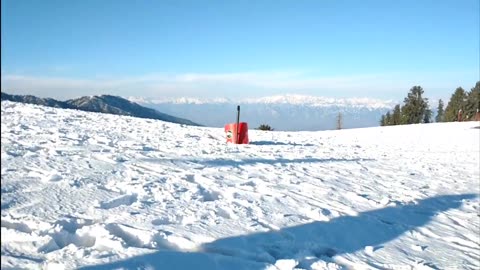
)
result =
(97, 191)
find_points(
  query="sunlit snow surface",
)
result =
(98, 191)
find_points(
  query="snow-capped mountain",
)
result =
(286, 112)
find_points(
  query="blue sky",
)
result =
(232, 49)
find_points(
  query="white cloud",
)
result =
(236, 85)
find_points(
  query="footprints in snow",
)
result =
(163, 221)
(133, 237)
(203, 193)
(86, 233)
(208, 195)
(127, 199)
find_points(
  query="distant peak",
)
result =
(291, 99)
(317, 101)
(181, 100)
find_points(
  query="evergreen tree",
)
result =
(265, 127)
(457, 102)
(382, 121)
(415, 106)
(397, 115)
(403, 116)
(473, 102)
(388, 119)
(427, 117)
(440, 113)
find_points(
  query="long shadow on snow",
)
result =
(342, 235)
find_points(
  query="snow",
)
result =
(317, 101)
(312, 101)
(99, 191)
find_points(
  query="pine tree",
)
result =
(397, 115)
(440, 113)
(388, 119)
(415, 106)
(427, 117)
(265, 127)
(457, 102)
(382, 121)
(473, 102)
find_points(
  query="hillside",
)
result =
(50, 102)
(102, 191)
(102, 104)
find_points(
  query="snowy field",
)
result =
(98, 191)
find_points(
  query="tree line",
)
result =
(462, 106)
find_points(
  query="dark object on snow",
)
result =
(265, 127)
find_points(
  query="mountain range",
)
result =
(103, 104)
(285, 112)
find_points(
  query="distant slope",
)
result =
(103, 104)
(50, 102)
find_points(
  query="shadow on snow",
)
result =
(323, 240)
(279, 143)
(252, 161)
